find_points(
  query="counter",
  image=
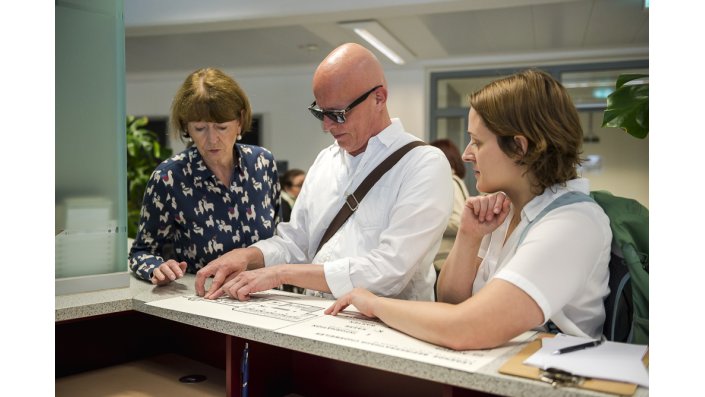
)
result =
(98, 304)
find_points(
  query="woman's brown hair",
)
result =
(534, 105)
(209, 95)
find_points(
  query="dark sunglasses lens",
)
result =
(336, 117)
(316, 113)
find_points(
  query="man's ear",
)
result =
(381, 95)
(522, 143)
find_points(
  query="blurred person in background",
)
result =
(460, 194)
(291, 183)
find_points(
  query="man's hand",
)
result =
(223, 269)
(246, 283)
(167, 272)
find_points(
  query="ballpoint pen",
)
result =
(581, 346)
(245, 371)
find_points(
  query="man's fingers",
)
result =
(218, 281)
(233, 287)
(215, 294)
(243, 293)
(201, 277)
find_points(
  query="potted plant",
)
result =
(144, 153)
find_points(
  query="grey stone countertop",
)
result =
(139, 293)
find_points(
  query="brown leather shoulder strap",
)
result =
(353, 200)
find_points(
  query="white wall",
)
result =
(625, 161)
(281, 97)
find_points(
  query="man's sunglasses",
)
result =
(338, 115)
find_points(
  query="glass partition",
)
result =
(90, 170)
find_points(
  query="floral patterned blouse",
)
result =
(188, 212)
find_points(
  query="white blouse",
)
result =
(562, 262)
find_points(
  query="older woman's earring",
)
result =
(239, 137)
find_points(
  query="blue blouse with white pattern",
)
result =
(186, 206)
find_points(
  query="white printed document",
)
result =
(354, 330)
(271, 310)
(302, 316)
(620, 362)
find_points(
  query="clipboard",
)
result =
(514, 366)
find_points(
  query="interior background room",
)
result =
(449, 48)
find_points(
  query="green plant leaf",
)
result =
(144, 153)
(141, 122)
(627, 77)
(628, 106)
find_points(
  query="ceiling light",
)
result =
(381, 39)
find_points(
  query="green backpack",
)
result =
(627, 305)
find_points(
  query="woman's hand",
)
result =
(167, 272)
(483, 214)
(361, 298)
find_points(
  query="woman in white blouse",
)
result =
(525, 142)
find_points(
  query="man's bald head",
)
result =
(342, 78)
(349, 67)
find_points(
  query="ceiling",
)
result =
(182, 35)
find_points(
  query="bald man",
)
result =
(387, 246)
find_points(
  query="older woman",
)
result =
(525, 140)
(214, 196)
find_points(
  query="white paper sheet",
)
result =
(610, 360)
(271, 310)
(302, 316)
(353, 330)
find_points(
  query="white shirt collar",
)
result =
(386, 137)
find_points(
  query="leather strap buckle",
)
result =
(347, 201)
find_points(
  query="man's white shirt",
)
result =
(387, 246)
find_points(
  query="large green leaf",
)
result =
(144, 153)
(628, 106)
